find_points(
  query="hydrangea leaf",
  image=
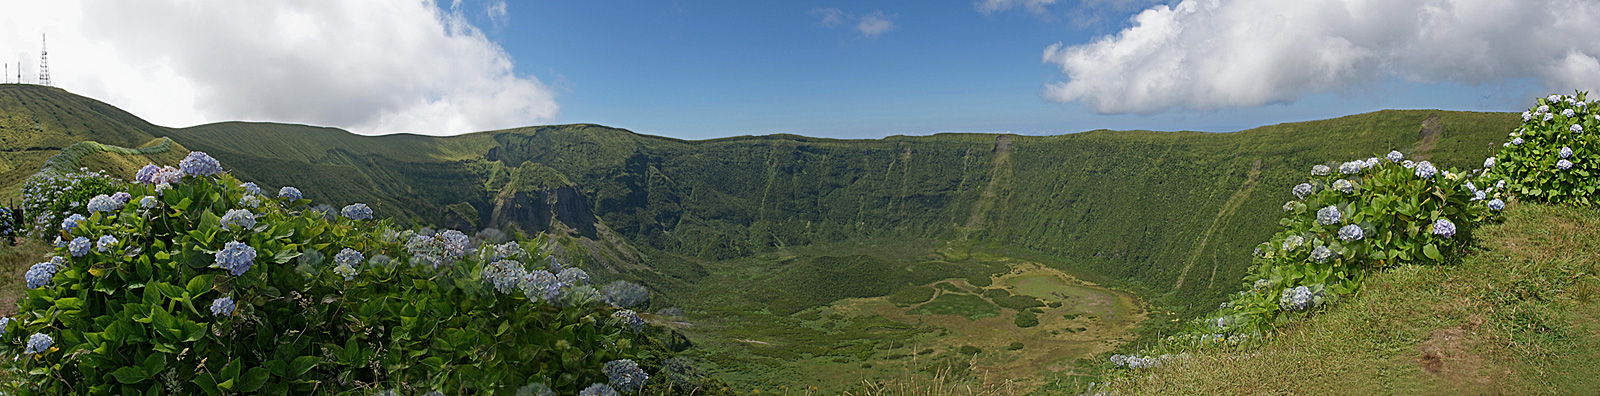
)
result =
(1432, 251)
(253, 379)
(130, 374)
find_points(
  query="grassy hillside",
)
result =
(37, 122)
(1520, 316)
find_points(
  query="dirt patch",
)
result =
(1448, 355)
(1432, 131)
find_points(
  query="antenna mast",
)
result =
(44, 63)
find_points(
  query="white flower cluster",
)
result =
(1136, 362)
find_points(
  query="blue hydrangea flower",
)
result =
(1290, 206)
(1329, 215)
(1320, 170)
(1395, 156)
(357, 211)
(1576, 128)
(1488, 163)
(1444, 228)
(625, 375)
(146, 174)
(1302, 190)
(1292, 242)
(105, 243)
(1344, 186)
(598, 389)
(1552, 98)
(5, 323)
(345, 270)
(71, 222)
(38, 343)
(507, 250)
(573, 277)
(1321, 254)
(39, 275)
(1371, 162)
(1350, 168)
(349, 257)
(289, 193)
(630, 319)
(249, 201)
(1500, 185)
(1296, 299)
(149, 201)
(1497, 204)
(250, 188)
(535, 389)
(199, 164)
(1408, 164)
(222, 306)
(236, 257)
(1350, 233)
(167, 175)
(79, 246)
(1526, 116)
(537, 283)
(1549, 116)
(1563, 164)
(1569, 113)
(1426, 170)
(505, 275)
(121, 197)
(102, 203)
(1566, 152)
(238, 218)
(1516, 141)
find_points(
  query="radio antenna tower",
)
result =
(44, 63)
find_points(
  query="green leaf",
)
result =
(1432, 252)
(301, 365)
(253, 379)
(199, 285)
(155, 363)
(130, 375)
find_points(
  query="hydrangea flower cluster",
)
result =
(623, 294)
(250, 201)
(104, 203)
(38, 343)
(40, 274)
(222, 306)
(347, 271)
(508, 250)
(625, 375)
(598, 389)
(1344, 186)
(236, 257)
(438, 251)
(505, 275)
(630, 319)
(250, 188)
(1350, 233)
(1351, 168)
(199, 164)
(149, 201)
(1329, 215)
(349, 257)
(1395, 156)
(238, 220)
(1321, 254)
(1320, 170)
(1293, 242)
(1426, 170)
(1136, 362)
(1296, 299)
(357, 211)
(71, 222)
(1443, 227)
(105, 243)
(1302, 190)
(289, 193)
(78, 247)
(1563, 164)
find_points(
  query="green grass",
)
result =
(964, 305)
(1517, 317)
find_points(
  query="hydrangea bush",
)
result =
(193, 291)
(1372, 213)
(48, 197)
(1554, 155)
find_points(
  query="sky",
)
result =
(841, 69)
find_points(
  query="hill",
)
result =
(1519, 316)
(768, 231)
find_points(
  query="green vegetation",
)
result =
(963, 305)
(1517, 316)
(911, 295)
(1555, 155)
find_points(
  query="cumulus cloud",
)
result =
(372, 67)
(870, 25)
(1215, 54)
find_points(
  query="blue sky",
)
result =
(706, 69)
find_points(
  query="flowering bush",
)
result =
(48, 198)
(1369, 215)
(1554, 156)
(193, 292)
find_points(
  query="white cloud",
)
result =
(830, 17)
(870, 26)
(1214, 54)
(992, 6)
(876, 24)
(497, 13)
(369, 66)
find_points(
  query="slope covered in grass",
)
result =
(1517, 316)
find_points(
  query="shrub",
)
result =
(624, 294)
(172, 301)
(48, 197)
(1369, 214)
(1026, 319)
(1555, 154)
